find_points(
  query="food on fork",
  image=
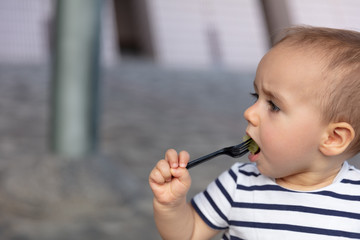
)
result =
(253, 147)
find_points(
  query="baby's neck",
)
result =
(308, 181)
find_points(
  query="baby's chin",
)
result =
(270, 171)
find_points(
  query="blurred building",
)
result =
(183, 33)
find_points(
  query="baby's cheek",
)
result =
(270, 137)
(276, 143)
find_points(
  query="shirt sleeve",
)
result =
(214, 204)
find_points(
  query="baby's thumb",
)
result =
(182, 175)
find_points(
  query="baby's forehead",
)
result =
(317, 53)
(298, 69)
(302, 60)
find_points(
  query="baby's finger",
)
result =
(184, 158)
(164, 168)
(172, 157)
(156, 177)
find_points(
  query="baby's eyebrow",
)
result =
(270, 94)
(273, 95)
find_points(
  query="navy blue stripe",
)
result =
(337, 195)
(235, 238)
(215, 207)
(233, 175)
(293, 208)
(350, 181)
(223, 191)
(210, 224)
(278, 188)
(249, 173)
(262, 188)
(295, 228)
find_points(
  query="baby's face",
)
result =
(284, 121)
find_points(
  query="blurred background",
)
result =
(93, 92)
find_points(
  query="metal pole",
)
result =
(75, 78)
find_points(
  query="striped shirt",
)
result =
(248, 205)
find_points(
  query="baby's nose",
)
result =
(251, 115)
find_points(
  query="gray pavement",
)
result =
(145, 110)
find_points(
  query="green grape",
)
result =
(253, 147)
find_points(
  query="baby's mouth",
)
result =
(253, 147)
(254, 150)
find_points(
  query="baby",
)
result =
(306, 121)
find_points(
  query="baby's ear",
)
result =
(337, 138)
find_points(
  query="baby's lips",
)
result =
(253, 157)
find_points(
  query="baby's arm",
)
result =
(174, 217)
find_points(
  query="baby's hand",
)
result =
(170, 180)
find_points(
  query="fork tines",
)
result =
(240, 149)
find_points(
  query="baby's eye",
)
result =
(273, 107)
(255, 95)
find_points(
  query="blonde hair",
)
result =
(339, 51)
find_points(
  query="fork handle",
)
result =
(199, 160)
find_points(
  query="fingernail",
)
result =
(182, 165)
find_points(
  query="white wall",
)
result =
(243, 34)
(177, 28)
(326, 13)
(180, 30)
(25, 30)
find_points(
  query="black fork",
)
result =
(233, 151)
